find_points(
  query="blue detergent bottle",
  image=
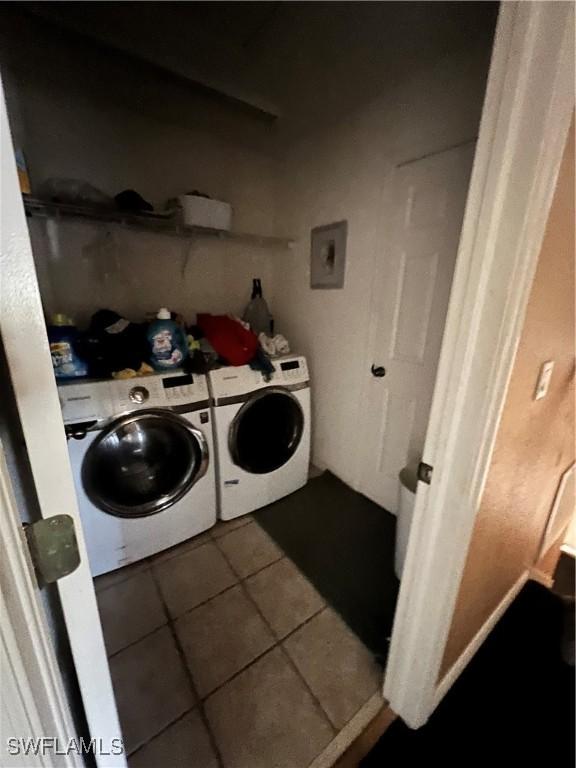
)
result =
(168, 343)
(63, 339)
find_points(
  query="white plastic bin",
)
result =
(204, 212)
(408, 483)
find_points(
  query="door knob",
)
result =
(378, 371)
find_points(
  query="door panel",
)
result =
(417, 281)
(409, 312)
(33, 699)
(28, 356)
(396, 435)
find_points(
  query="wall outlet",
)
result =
(544, 380)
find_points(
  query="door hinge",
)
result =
(425, 473)
(53, 547)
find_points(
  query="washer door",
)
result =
(143, 463)
(266, 431)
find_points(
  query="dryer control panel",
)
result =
(231, 381)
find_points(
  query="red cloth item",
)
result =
(236, 344)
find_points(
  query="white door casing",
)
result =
(28, 355)
(32, 701)
(527, 112)
(408, 310)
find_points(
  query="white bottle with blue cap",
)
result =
(168, 344)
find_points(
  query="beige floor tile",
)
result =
(339, 669)
(221, 637)
(249, 549)
(151, 685)
(129, 611)
(190, 579)
(181, 549)
(223, 527)
(185, 744)
(120, 574)
(284, 595)
(266, 718)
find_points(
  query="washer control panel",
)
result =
(170, 389)
(85, 401)
(97, 400)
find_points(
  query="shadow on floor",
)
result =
(344, 544)
(513, 705)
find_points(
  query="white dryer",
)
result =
(262, 434)
(142, 457)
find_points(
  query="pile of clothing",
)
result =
(233, 342)
(113, 346)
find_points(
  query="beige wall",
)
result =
(419, 92)
(535, 442)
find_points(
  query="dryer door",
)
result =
(143, 463)
(266, 431)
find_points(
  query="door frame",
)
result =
(33, 695)
(28, 356)
(527, 112)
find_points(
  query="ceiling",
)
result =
(208, 42)
(263, 53)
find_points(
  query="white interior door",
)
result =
(32, 702)
(428, 197)
(28, 355)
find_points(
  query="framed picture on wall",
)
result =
(328, 255)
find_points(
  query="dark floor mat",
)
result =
(344, 543)
(513, 705)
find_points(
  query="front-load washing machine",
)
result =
(262, 433)
(142, 458)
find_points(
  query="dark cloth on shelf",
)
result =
(130, 201)
(261, 362)
(195, 363)
(113, 343)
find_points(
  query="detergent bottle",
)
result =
(63, 338)
(168, 343)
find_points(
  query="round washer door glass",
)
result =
(266, 431)
(143, 463)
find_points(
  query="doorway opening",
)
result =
(302, 586)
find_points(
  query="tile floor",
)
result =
(223, 655)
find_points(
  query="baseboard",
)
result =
(568, 550)
(365, 742)
(541, 578)
(318, 463)
(353, 730)
(460, 665)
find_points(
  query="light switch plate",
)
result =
(544, 380)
